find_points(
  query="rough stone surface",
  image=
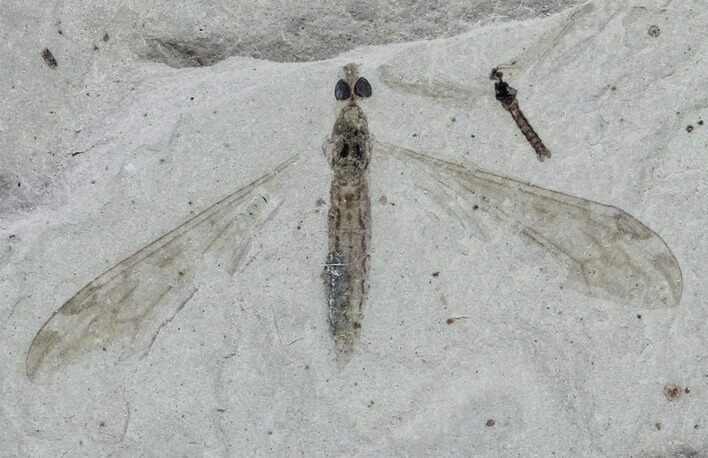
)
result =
(471, 343)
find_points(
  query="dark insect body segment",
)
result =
(348, 150)
(49, 58)
(507, 96)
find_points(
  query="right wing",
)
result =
(607, 252)
(128, 305)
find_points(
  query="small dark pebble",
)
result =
(436, 274)
(490, 423)
(450, 321)
(49, 58)
(689, 128)
(106, 37)
(700, 122)
(654, 31)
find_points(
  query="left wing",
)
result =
(125, 307)
(607, 252)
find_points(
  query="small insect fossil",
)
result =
(348, 150)
(448, 92)
(507, 96)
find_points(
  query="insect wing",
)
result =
(607, 252)
(440, 91)
(126, 306)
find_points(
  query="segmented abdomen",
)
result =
(526, 129)
(347, 261)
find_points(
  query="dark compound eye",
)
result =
(362, 87)
(342, 91)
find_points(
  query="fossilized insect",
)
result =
(349, 152)
(507, 97)
(464, 97)
(606, 252)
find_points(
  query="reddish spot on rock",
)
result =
(672, 392)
